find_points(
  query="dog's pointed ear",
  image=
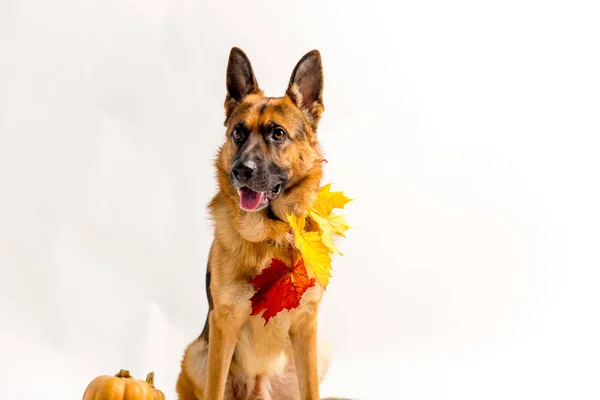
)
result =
(240, 79)
(306, 85)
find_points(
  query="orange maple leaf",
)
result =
(279, 286)
(313, 250)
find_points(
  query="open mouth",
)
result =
(251, 200)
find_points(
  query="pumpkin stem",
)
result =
(150, 379)
(124, 374)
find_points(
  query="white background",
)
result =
(466, 131)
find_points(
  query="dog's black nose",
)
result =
(243, 170)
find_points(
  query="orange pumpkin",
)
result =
(122, 386)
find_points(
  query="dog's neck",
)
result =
(271, 215)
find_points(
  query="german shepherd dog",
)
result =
(268, 167)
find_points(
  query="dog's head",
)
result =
(271, 143)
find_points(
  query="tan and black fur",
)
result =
(237, 356)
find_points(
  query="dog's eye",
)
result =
(237, 134)
(279, 134)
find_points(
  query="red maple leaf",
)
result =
(279, 287)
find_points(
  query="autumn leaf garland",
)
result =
(281, 286)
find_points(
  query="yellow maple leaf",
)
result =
(328, 200)
(314, 251)
(329, 224)
(333, 224)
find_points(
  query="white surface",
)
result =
(467, 132)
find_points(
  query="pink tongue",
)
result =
(249, 199)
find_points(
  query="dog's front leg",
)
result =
(225, 323)
(303, 336)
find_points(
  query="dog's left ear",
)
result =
(306, 86)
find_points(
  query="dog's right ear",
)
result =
(240, 79)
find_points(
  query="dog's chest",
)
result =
(265, 349)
